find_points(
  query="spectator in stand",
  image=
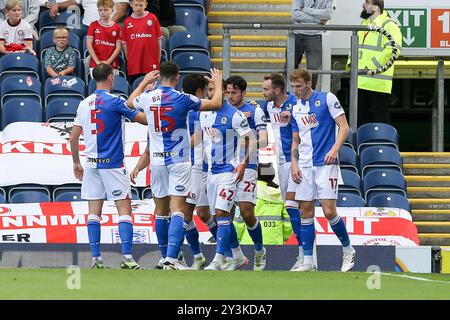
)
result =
(15, 32)
(90, 11)
(30, 12)
(141, 41)
(310, 41)
(165, 12)
(60, 60)
(104, 38)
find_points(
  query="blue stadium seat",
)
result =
(134, 194)
(350, 141)
(21, 86)
(120, 88)
(188, 41)
(67, 192)
(192, 19)
(348, 158)
(346, 199)
(2, 195)
(379, 157)
(28, 193)
(64, 86)
(19, 63)
(193, 62)
(376, 134)
(46, 41)
(379, 181)
(21, 109)
(164, 47)
(66, 18)
(392, 200)
(62, 109)
(192, 4)
(78, 70)
(351, 182)
(146, 194)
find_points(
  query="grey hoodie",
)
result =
(312, 13)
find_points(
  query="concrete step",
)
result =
(443, 204)
(427, 181)
(426, 157)
(428, 192)
(426, 169)
(216, 28)
(433, 227)
(257, 63)
(248, 5)
(254, 17)
(435, 215)
(434, 239)
(257, 40)
(251, 52)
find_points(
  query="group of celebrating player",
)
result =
(202, 151)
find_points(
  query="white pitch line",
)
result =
(413, 278)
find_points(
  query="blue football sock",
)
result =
(126, 233)
(294, 217)
(223, 234)
(212, 226)
(338, 226)
(192, 238)
(234, 242)
(176, 233)
(162, 233)
(94, 232)
(308, 232)
(255, 233)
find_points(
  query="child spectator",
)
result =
(104, 38)
(15, 32)
(141, 40)
(61, 59)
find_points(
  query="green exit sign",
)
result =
(413, 24)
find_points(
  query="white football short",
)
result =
(221, 191)
(285, 177)
(318, 183)
(112, 183)
(171, 180)
(199, 180)
(246, 189)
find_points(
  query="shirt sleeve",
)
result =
(158, 32)
(240, 124)
(90, 32)
(293, 121)
(192, 102)
(121, 106)
(77, 120)
(139, 101)
(2, 30)
(260, 119)
(334, 106)
(28, 35)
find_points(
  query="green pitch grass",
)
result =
(161, 284)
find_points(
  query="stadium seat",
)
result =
(120, 87)
(67, 192)
(379, 157)
(28, 193)
(136, 82)
(351, 182)
(381, 180)
(164, 47)
(67, 18)
(19, 63)
(348, 158)
(346, 199)
(350, 141)
(192, 4)
(21, 109)
(20, 86)
(46, 41)
(376, 134)
(62, 109)
(78, 70)
(192, 19)
(193, 62)
(2, 195)
(146, 194)
(188, 41)
(134, 194)
(391, 200)
(63, 86)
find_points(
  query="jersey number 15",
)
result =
(159, 115)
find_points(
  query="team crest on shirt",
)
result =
(149, 22)
(289, 107)
(223, 120)
(317, 103)
(20, 33)
(114, 33)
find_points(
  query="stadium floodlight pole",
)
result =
(226, 53)
(353, 116)
(290, 62)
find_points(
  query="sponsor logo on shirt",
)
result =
(310, 120)
(165, 154)
(140, 35)
(337, 105)
(105, 43)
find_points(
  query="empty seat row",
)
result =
(372, 134)
(385, 199)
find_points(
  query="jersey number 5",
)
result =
(159, 115)
(100, 125)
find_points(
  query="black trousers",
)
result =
(373, 107)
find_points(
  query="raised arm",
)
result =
(148, 79)
(216, 101)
